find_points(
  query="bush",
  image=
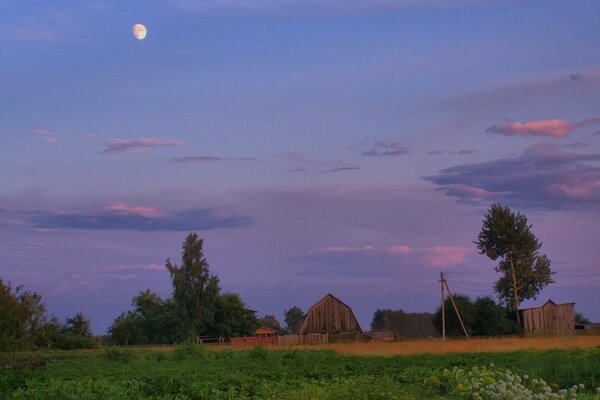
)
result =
(114, 353)
(191, 351)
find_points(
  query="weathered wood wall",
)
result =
(253, 341)
(329, 315)
(310, 338)
(549, 318)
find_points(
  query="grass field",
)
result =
(402, 370)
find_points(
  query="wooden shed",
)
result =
(549, 318)
(329, 315)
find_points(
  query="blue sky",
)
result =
(348, 147)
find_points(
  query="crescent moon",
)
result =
(139, 31)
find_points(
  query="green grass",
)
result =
(190, 372)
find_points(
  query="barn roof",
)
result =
(348, 318)
(323, 299)
(547, 303)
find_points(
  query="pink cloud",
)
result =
(45, 135)
(400, 249)
(549, 127)
(125, 209)
(467, 191)
(446, 256)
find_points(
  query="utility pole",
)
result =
(442, 282)
(445, 283)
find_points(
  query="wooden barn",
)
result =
(330, 315)
(549, 318)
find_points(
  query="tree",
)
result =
(79, 325)
(507, 236)
(404, 324)
(467, 313)
(195, 290)
(293, 319)
(581, 319)
(269, 321)
(232, 318)
(128, 328)
(21, 316)
(491, 319)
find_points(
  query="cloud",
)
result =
(369, 260)
(201, 159)
(195, 159)
(340, 169)
(435, 152)
(550, 127)
(121, 216)
(385, 149)
(544, 176)
(300, 157)
(438, 152)
(575, 77)
(45, 135)
(125, 209)
(124, 145)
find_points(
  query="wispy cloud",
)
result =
(202, 159)
(45, 135)
(549, 127)
(126, 209)
(125, 145)
(385, 259)
(544, 176)
(385, 149)
(121, 216)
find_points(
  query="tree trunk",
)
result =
(515, 290)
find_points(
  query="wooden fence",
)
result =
(253, 341)
(310, 338)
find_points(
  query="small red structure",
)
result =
(266, 336)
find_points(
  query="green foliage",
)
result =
(232, 318)
(508, 237)
(581, 319)
(120, 354)
(195, 290)
(293, 319)
(79, 325)
(483, 317)
(191, 351)
(404, 324)
(288, 375)
(271, 322)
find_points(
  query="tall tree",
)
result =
(269, 321)
(194, 289)
(79, 325)
(293, 319)
(508, 237)
(232, 318)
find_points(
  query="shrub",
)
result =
(191, 351)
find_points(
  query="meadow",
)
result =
(536, 370)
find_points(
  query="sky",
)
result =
(346, 147)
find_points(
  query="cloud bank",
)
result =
(121, 216)
(544, 176)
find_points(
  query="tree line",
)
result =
(24, 323)
(198, 308)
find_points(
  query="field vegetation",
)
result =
(195, 372)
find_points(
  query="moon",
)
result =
(139, 31)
